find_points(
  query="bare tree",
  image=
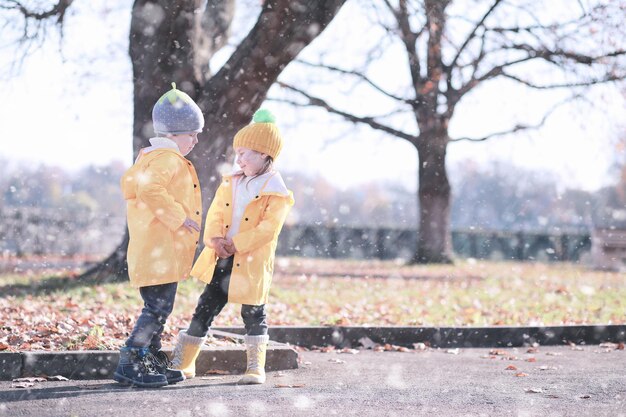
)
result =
(452, 47)
(173, 40)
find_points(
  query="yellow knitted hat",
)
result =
(261, 135)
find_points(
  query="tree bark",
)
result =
(434, 237)
(230, 97)
(113, 269)
(170, 42)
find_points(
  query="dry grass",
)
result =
(45, 312)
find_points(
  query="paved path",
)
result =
(432, 382)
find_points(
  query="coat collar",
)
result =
(161, 143)
(274, 183)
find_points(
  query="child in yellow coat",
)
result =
(241, 233)
(164, 208)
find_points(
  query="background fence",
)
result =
(49, 232)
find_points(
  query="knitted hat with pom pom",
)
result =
(261, 135)
(175, 113)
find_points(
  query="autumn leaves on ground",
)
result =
(39, 314)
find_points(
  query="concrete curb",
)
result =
(97, 364)
(101, 364)
(445, 337)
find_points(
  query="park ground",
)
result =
(535, 381)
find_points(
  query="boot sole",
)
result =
(128, 381)
(250, 382)
(175, 380)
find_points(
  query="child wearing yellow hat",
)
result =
(164, 209)
(241, 233)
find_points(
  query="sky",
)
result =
(75, 109)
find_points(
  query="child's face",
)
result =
(251, 162)
(185, 141)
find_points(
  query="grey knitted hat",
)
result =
(175, 113)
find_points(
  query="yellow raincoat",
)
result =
(262, 220)
(161, 190)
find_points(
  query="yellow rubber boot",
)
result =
(256, 348)
(186, 352)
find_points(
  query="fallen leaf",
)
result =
(608, 345)
(30, 379)
(511, 368)
(546, 368)
(57, 378)
(620, 346)
(336, 361)
(534, 390)
(498, 352)
(367, 343)
(532, 350)
(279, 374)
(419, 346)
(216, 372)
(453, 351)
(91, 342)
(23, 385)
(211, 378)
(288, 385)
(561, 290)
(521, 374)
(348, 350)
(585, 396)
(554, 353)
(3, 346)
(531, 360)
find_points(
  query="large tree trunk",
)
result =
(169, 42)
(113, 269)
(434, 238)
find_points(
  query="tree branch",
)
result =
(361, 76)
(318, 102)
(231, 96)
(520, 127)
(607, 79)
(35, 25)
(57, 10)
(548, 54)
(472, 34)
(409, 39)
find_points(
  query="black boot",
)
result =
(136, 367)
(163, 366)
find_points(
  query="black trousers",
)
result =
(214, 298)
(158, 302)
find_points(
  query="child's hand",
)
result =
(214, 241)
(217, 243)
(229, 245)
(191, 225)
